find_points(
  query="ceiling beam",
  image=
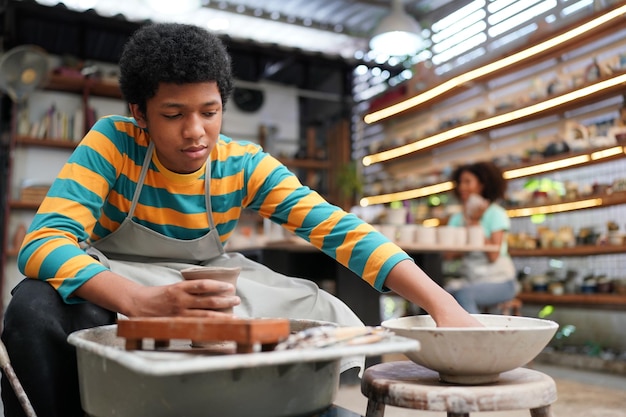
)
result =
(267, 13)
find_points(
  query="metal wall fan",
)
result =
(22, 70)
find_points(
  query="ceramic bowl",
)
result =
(475, 355)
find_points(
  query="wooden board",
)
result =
(244, 332)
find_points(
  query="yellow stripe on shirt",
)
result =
(89, 179)
(376, 260)
(344, 251)
(70, 208)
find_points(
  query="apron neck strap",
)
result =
(142, 176)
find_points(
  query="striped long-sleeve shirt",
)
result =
(93, 192)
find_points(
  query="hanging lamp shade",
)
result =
(397, 34)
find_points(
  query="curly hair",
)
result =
(488, 174)
(172, 53)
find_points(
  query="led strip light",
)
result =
(494, 66)
(510, 174)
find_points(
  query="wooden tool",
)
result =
(244, 332)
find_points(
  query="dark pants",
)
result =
(36, 325)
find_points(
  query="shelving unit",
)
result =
(81, 85)
(557, 44)
(399, 166)
(312, 172)
(21, 205)
(305, 163)
(600, 301)
(552, 105)
(589, 157)
(411, 126)
(580, 250)
(565, 205)
(448, 125)
(54, 151)
(311, 169)
(46, 143)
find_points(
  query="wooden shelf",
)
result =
(23, 205)
(567, 155)
(65, 83)
(554, 159)
(45, 142)
(317, 171)
(104, 89)
(299, 245)
(83, 85)
(560, 109)
(583, 250)
(608, 301)
(306, 163)
(612, 199)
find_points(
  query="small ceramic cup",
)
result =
(426, 235)
(475, 236)
(389, 230)
(217, 273)
(406, 234)
(446, 235)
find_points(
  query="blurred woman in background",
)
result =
(487, 278)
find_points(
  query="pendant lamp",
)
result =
(397, 34)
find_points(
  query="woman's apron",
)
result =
(149, 258)
(476, 267)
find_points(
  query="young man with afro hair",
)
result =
(143, 197)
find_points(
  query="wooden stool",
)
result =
(408, 385)
(512, 307)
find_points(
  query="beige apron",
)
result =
(476, 267)
(149, 258)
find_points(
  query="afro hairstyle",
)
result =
(172, 53)
(488, 174)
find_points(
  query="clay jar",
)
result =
(218, 273)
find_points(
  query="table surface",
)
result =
(297, 258)
(301, 245)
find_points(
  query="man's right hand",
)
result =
(194, 298)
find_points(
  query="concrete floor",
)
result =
(580, 394)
